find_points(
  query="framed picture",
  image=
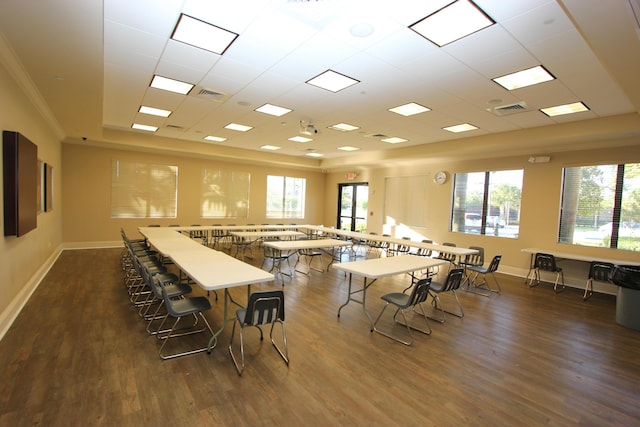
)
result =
(48, 187)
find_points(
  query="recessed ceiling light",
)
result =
(202, 34)
(559, 110)
(452, 22)
(348, 148)
(394, 140)
(274, 110)
(154, 111)
(270, 147)
(236, 126)
(147, 128)
(314, 154)
(171, 85)
(524, 78)
(344, 127)
(215, 138)
(464, 127)
(330, 80)
(409, 109)
(300, 139)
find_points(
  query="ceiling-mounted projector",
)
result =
(308, 129)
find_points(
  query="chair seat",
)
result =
(396, 298)
(183, 307)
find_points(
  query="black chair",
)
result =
(177, 309)
(599, 272)
(419, 294)
(546, 262)
(201, 235)
(263, 308)
(478, 270)
(451, 284)
(447, 256)
(309, 254)
(399, 248)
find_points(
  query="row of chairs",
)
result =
(543, 262)
(164, 301)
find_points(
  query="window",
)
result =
(601, 206)
(487, 203)
(285, 197)
(224, 194)
(143, 190)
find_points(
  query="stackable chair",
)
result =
(263, 308)
(402, 302)
(399, 248)
(276, 258)
(546, 262)
(448, 256)
(480, 270)
(451, 284)
(178, 309)
(309, 254)
(599, 272)
(172, 290)
(201, 235)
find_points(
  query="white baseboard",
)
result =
(9, 315)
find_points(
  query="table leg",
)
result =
(362, 301)
(225, 319)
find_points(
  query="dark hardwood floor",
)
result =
(79, 354)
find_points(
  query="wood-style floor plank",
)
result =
(79, 354)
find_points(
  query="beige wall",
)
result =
(539, 212)
(22, 257)
(87, 189)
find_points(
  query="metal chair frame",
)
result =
(263, 308)
(546, 262)
(402, 302)
(451, 284)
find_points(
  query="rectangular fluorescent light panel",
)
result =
(524, 78)
(215, 138)
(203, 35)
(270, 147)
(409, 109)
(274, 110)
(300, 139)
(332, 81)
(154, 111)
(236, 126)
(171, 85)
(344, 127)
(452, 22)
(348, 148)
(560, 110)
(464, 127)
(314, 154)
(147, 128)
(394, 140)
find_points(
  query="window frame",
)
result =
(284, 207)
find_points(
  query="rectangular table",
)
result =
(381, 267)
(208, 268)
(246, 239)
(296, 245)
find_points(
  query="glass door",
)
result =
(353, 205)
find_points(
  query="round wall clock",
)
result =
(440, 177)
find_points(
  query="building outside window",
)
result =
(487, 203)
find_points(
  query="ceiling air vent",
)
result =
(209, 94)
(175, 127)
(377, 136)
(505, 110)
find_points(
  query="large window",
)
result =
(601, 206)
(143, 190)
(487, 203)
(224, 194)
(285, 197)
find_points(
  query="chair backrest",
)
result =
(493, 267)
(264, 307)
(446, 255)
(420, 292)
(454, 279)
(546, 262)
(476, 259)
(600, 271)
(424, 251)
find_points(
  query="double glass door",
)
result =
(353, 205)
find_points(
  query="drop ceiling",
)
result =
(91, 64)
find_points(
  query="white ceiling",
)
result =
(92, 63)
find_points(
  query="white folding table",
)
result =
(381, 267)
